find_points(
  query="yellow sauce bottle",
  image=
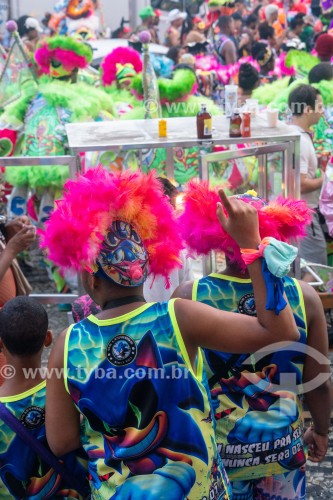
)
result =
(162, 128)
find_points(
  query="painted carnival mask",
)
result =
(123, 257)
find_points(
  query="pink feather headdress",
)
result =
(71, 53)
(281, 69)
(121, 56)
(283, 219)
(224, 73)
(75, 231)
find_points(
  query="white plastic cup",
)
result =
(231, 98)
(272, 117)
(252, 105)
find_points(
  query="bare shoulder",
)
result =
(184, 290)
(315, 318)
(312, 300)
(57, 353)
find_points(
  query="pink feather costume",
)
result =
(283, 219)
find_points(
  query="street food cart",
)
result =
(140, 135)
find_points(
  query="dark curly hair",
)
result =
(248, 77)
(23, 326)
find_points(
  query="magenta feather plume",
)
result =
(209, 63)
(42, 57)
(68, 58)
(281, 69)
(283, 219)
(75, 231)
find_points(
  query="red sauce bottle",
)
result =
(246, 125)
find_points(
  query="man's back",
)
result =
(226, 49)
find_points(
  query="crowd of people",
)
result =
(263, 30)
(164, 386)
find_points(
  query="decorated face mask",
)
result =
(57, 70)
(124, 75)
(84, 34)
(123, 257)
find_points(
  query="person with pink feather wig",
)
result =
(148, 434)
(61, 57)
(120, 66)
(256, 397)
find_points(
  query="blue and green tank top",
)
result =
(146, 411)
(22, 473)
(255, 397)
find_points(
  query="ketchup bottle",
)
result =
(246, 125)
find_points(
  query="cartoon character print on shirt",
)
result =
(19, 464)
(253, 389)
(45, 132)
(143, 434)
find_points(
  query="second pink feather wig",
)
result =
(122, 56)
(283, 219)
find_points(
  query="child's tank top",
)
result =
(22, 473)
(148, 424)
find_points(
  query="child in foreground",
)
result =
(23, 335)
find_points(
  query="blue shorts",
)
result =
(288, 486)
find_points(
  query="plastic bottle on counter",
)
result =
(230, 99)
(204, 123)
(151, 93)
(162, 128)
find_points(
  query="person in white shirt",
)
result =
(154, 289)
(306, 105)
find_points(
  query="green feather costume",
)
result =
(303, 63)
(177, 101)
(40, 115)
